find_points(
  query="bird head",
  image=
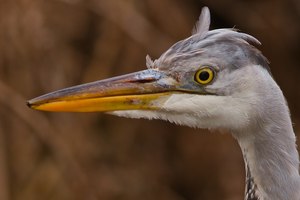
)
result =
(207, 80)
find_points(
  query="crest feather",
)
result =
(202, 25)
(149, 62)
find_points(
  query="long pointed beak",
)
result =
(140, 90)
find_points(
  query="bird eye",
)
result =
(204, 75)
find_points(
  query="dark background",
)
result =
(46, 45)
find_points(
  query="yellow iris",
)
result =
(204, 75)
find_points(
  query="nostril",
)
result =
(144, 80)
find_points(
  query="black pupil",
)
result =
(203, 76)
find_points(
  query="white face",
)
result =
(232, 107)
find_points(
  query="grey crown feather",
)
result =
(230, 42)
(202, 26)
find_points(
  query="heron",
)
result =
(214, 79)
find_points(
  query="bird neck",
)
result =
(271, 159)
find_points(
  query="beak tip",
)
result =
(29, 104)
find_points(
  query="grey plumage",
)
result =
(216, 44)
(241, 96)
(267, 141)
(202, 26)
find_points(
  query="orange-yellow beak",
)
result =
(141, 90)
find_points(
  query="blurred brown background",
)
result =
(48, 45)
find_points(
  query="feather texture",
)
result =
(202, 25)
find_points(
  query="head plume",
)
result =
(221, 43)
